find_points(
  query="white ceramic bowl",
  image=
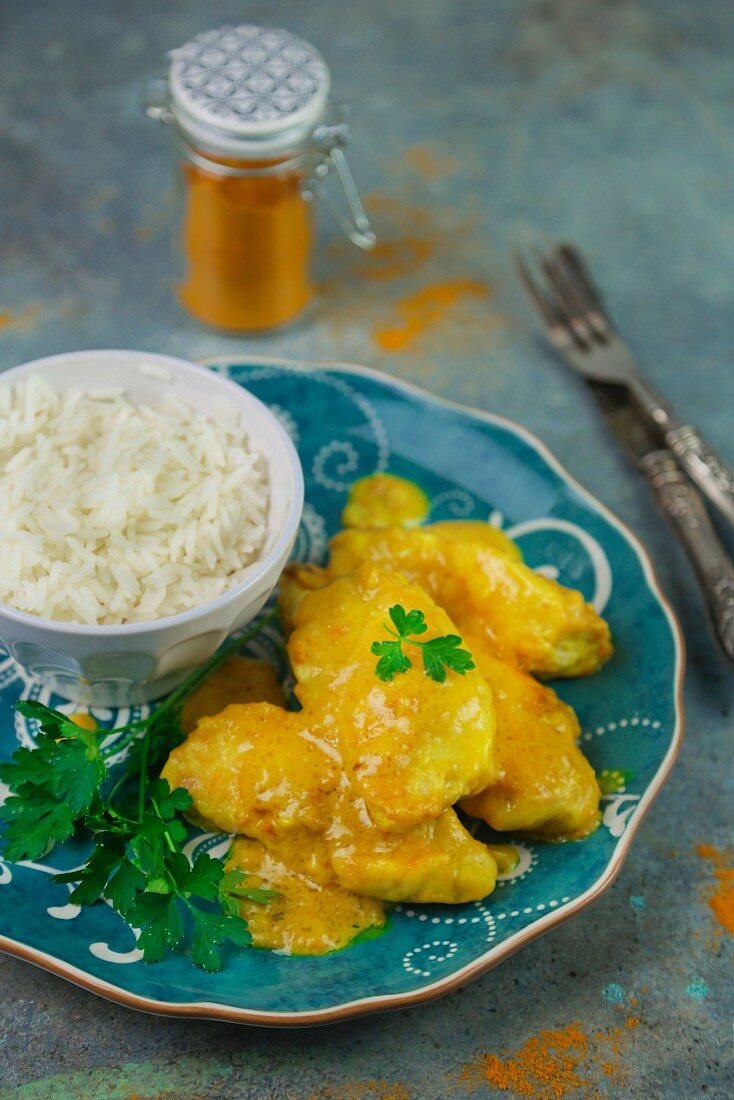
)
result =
(138, 662)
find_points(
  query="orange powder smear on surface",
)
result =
(22, 320)
(362, 1090)
(721, 900)
(429, 162)
(555, 1063)
(425, 309)
(393, 258)
(406, 240)
(544, 1068)
(246, 246)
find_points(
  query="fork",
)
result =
(580, 328)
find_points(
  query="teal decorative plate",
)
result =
(348, 422)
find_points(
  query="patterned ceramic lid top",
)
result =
(248, 80)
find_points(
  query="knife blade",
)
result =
(682, 505)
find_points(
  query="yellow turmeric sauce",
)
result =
(312, 914)
(384, 499)
(246, 246)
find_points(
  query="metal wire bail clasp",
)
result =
(156, 101)
(329, 141)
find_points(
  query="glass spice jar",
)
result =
(255, 139)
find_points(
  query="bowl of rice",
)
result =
(149, 506)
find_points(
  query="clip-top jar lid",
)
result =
(247, 87)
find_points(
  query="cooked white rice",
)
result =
(114, 513)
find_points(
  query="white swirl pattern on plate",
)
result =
(312, 539)
(325, 464)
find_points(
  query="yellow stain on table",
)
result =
(555, 1063)
(362, 1090)
(425, 309)
(721, 897)
(417, 293)
(22, 320)
(392, 258)
(407, 237)
(429, 162)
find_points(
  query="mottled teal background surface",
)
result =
(610, 123)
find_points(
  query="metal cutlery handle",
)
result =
(704, 466)
(685, 510)
(701, 462)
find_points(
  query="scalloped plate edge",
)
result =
(490, 959)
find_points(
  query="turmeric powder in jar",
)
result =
(247, 108)
(246, 244)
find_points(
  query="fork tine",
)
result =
(534, 291)
(575, 262)
(560, 330)
(583, 317)
(576, 270)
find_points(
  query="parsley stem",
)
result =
(169, 842)
(180, 694)
(143, 781)
(115, 789)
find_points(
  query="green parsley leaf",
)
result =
(92, 879)
(79, 772)
(124, 886)
(442, 653)
(169, 802)
(203, 878)
(158, 916)
(232, 890)
(211, 931)
(438, 653)
(410, 622)
(55, 784)
(392, 659)
(35, 822)
(52, 722)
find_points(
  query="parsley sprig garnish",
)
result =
(438, 653)
(63, 787)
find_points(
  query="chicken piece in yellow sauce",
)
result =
(438, 861)
(256, 769)
(238, 680)
(476, 533)
(528, 619)
(296, 581)
(411, 746)
(548, 788)
(85, 720)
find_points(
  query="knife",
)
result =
(682, 505)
